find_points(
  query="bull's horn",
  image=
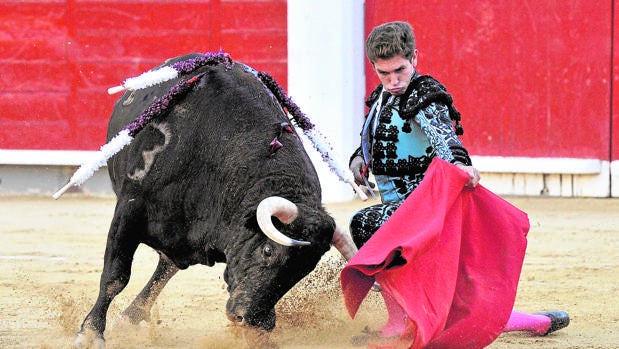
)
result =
(284, 210)
(343, 242)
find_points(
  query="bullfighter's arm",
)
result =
(438, 127)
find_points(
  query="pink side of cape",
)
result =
(450, 257)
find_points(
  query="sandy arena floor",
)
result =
(51, 255)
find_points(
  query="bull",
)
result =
(221, 178)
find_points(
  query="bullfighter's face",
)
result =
(395, 73)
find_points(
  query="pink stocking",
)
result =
(395, 323)
(536, 323)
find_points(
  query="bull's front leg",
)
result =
(139, 309)
(119, 251)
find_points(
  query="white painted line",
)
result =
(32, 257)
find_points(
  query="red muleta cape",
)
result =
(450, 256)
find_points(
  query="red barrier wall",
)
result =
(59, 57)
(531, 78)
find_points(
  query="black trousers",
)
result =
(366, 221)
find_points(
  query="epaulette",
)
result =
(425, 90)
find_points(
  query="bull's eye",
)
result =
(267, 251)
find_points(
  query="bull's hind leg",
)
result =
(140, 307)
(122, 243)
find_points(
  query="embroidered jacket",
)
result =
(409, 131)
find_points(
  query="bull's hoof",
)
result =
(88, 339)
(136, 314)
(129, 320)
(258, 339)
(123, 322)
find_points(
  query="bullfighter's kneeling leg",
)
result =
(396, 323)
(397, 317)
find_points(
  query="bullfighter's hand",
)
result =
(473, 175)
(356, 166)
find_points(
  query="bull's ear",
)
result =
(316, 225)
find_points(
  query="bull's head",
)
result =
(264, 267)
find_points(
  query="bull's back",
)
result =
(220, 132)
(133, 103)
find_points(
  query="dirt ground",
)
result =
(51, 255)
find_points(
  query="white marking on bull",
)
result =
(149, 155)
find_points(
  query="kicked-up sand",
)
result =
(51, 256)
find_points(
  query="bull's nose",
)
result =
(267, 323)
(235, 317)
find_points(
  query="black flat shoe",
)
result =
(558, 320)
(368, 336)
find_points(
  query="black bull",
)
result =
(190, 185)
